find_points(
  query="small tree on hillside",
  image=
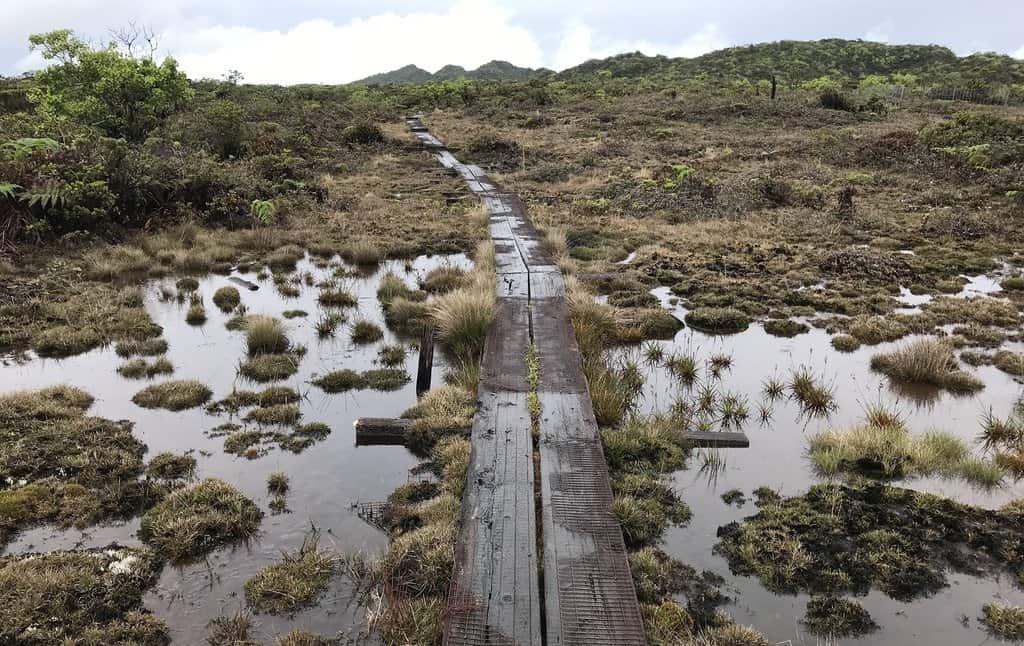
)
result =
(106, 88)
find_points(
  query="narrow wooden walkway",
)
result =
(588, 593)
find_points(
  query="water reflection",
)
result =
(325, 479)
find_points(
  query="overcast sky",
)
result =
(336, 41)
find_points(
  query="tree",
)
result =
(105, 88)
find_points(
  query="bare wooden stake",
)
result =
(426, 363)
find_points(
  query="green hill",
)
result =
(796, 61)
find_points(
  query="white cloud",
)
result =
(1019, 53)
(577, 45)
(469, 33)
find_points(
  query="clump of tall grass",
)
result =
(145, 347)
(227, 298)
(270, 367)
(174, 395)
(463, 318)
(54, 402)
(813, 395)
(362, 253)
(196, 314)
(265, 335)
(171, 467)
(883, 447)
(296, 581)
(391, 287)
(1003, 621)
(328, 323)
(364, 331)
(193, 521)
(927, 361)
(138, 368)
(335, 296)
(443, 279)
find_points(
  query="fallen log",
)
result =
(252, 287)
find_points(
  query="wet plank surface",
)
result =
(494, 596)
(588, 592)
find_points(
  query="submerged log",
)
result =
(376, 431)
(252, 287)
(717, 439)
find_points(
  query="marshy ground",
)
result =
(851, 286)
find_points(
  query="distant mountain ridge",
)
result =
(492, 71)
(791, 60)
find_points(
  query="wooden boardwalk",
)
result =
(587, 592)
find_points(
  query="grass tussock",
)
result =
(227, 298)
(171, 467)
(884, 448)
(383, 379)
(442, 411)
(274, 415)
(839, 539)
(334, 296)
(392, 286)
(174, 395)
(81, 596)
(1003, 621)
(364, 332)
(833, 617)
(270, 367)
(463, 319)
(265, 335)
(143, 347)
(441, 280)
(191, 522)
(294, 582)
(59, 465)
(139, 368)
(54, 402)
(721, 320)
(927, 361)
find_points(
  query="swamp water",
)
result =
(326, 478)
(777, 458)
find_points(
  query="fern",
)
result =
(27, 146)
(8, 190)
(46, 196)
(263, 211)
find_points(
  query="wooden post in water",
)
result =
(426, 362)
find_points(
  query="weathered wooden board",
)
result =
(588, 591)
(718, 439)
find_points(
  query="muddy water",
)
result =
(326, 479)
(776, 458)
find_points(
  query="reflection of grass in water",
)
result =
(712, 464)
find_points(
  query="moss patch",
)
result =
(59, 463)
(837, 539)
(87, 596)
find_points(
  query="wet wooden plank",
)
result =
(588, 591)
(718, 439)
